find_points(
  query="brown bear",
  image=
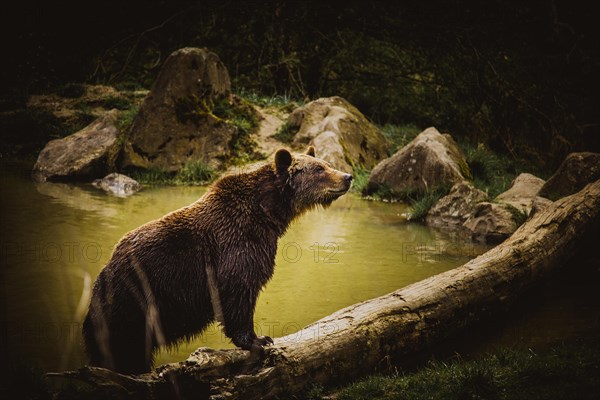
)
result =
(170, 278)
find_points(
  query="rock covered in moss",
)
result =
(576, 171)
(429, 161)
(118, 184)
(340, 133)
(452, 210)
(176, 122)
(84, 155)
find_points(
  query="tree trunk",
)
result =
(366, 336)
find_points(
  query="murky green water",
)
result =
(57, 237)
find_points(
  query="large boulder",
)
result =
(452, 210)
(176, 122)
(118, 184)
(576, 171)
(430, 161)
(340, 133)
(84, 155)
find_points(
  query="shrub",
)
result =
(195, 172)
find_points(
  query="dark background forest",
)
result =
(520, 77)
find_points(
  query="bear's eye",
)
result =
(319, 169)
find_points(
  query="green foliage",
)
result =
(569, 371)
(285, 133)
(361, 178)
(235, 112)
(194, 108)
(282, 102)
(195, 172)
(126, 117)
(498, 74)
(385, 193)
(240, 114)
(422, 203)
(153, 176)
(399, 135)
(491, 173)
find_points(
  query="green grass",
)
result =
(491, 172)
(153, 176)
(399, 135)
(422, 203)
(564, 372)
(194, 172)
(282, 102)
(360, 179)
(126, 117)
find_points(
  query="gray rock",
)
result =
(431, 160)
(576, 171)
(452, 210)
(339, 132)
(175, 123)
(522, 193)
(84, 155)
(490, 223)
(118, 184)
(494, 222)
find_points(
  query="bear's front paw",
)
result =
(259, 342)
(263, 341)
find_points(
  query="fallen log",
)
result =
(366, 336)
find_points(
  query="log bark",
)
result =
(367, 336)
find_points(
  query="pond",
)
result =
(57, 237)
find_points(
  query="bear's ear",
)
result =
(283, 160)
(310, 151)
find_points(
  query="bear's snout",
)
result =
(348, 178)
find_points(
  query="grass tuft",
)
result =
(195, 172)
(153, 176)
(360, 179)
(422, 203)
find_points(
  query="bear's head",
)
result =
(313, 181)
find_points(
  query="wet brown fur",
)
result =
(153, 291)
